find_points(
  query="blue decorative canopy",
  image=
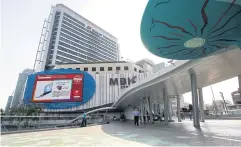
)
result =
(190, 29)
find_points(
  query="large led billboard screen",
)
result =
(58, 88)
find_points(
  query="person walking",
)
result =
(84, 120)
(136, 114)
(190, 111)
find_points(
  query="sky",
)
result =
(21, 24)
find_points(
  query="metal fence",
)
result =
(15, 124)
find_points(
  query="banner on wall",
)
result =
(58, 88)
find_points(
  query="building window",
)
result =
(117, 68)
(78, 68)
(93, 68)
(135, 69)
(109, 68)
(139, 71)
(102, 68)
(126, 68)
(85, 69)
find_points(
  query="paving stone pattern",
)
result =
(212, 133)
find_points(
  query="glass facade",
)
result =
(53, 38)
(73, 41)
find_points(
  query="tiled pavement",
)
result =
(89, 136)
(213, 133)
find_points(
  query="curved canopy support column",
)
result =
(201, 105)
(166, 108)
(150, 108)
(178, 109)
(142, 112)
(170, 110)
(193, 78)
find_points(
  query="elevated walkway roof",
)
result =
(176, 79)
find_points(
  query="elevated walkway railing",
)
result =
(92, 111)
(19, 124)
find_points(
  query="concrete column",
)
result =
(193, 79)
(166, 108)
(201, 105)
(154, 107)
(170, 108)
(178, 109)
(160, 109)
(154, 104)
(142, 112)
(139, 108)
(150, 108)
(145, 108)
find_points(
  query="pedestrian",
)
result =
(84, 120)
(122, 117)
(182, 115)
(163, 114)
(136, 114)
(190, 111)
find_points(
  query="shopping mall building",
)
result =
(110, 81)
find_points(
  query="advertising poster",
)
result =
(58, 88)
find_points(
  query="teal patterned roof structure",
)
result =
(190, 29)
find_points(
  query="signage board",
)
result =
(58, 88)
(123, 82)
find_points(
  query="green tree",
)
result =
(26, 110)
(2, 111)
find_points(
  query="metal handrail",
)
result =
(95, 110)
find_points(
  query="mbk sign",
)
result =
(123, 82)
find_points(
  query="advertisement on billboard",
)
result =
(58, 88)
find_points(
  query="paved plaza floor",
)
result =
(212, 133)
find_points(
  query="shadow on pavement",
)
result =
(176, 134)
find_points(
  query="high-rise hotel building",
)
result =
(67, 37)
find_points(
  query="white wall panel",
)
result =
(99, 96)
(81, 107)
(97, 92)
(119, 89)
(103, 98)
(106, 93)
(112, 89)
(115, 90)
(87, 104)
(94, 97)
(104, 89)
